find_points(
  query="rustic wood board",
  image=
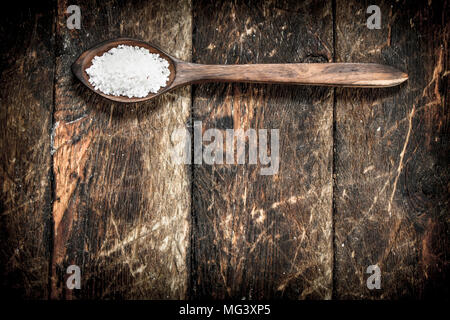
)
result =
(89, 182)
(392, 148)
(256, 236)
(121, 208)
(26, 103)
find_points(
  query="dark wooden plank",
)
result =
(392, 151)
(26, 100)
(257, 236)
(121, 207)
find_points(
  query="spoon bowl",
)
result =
(366, 75)
(84, 62)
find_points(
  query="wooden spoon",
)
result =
(368, 75)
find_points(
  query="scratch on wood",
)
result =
(400, 162)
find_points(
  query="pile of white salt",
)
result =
(129, 71)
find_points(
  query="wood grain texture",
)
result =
(121, 207)
(26, 94)
(257, 236)
(392, 149)
(326, 74)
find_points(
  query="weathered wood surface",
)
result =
(327, 74)
(392, 149)
(26, 103)
(256, 236)
(121, 207)
(141, 227)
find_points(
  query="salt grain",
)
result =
(129, 71)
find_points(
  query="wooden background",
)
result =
(363, 178)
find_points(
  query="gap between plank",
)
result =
(333, 160)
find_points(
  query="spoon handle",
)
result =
(327, 74)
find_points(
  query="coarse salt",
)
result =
(129, 71)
